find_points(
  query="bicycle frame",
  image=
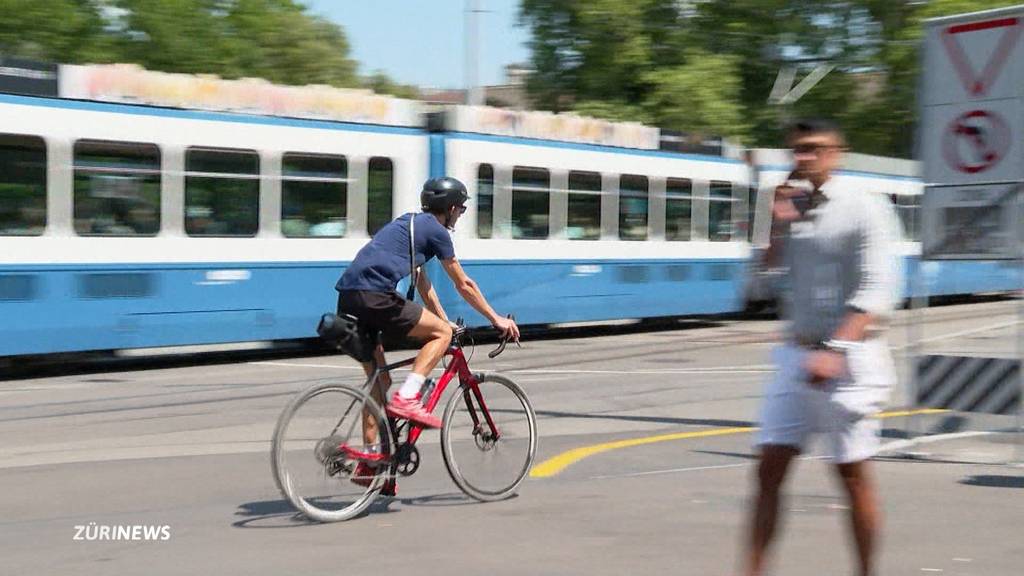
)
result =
(457, 367)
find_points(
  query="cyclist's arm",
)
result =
(471, 293)
(429, 296)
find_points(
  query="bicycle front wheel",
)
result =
(489, 438)
(318, 452)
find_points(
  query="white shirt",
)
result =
(842, 254)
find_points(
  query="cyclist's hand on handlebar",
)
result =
(508, 328)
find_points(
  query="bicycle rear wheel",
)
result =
(318, 446)
(485, 465)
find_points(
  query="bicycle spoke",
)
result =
(317, 468)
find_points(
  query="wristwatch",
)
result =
(840, 346)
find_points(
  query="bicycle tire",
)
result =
(280, 470)
(512, 434)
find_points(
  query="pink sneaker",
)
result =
(363, 475)
(412, 410)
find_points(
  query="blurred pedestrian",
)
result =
(834, 371)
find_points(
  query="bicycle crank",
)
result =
(407, 460)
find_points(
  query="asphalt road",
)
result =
(186, 448)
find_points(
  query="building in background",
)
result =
(510, 94)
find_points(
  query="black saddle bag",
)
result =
(344, 332)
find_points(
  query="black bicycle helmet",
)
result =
(440, 194)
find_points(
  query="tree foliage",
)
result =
(278, 40)
(709, 65)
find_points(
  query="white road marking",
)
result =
(670, 471)
(961, 333)
(903, 444)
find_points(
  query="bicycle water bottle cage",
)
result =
(344, 332)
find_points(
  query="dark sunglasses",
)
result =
(462, 209)
(813, 148)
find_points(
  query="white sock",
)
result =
(412, 385)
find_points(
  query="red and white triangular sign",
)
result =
(978, 84)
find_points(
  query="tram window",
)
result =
(909, 209)
(530, 202)
(678, 208)
(117, 188)
(22, 185)
(584, 218)
(720, 224)
(485, 201)
(632, 207)
(222, 192)
(380, 189)
(314, 195)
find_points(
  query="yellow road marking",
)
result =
(556, 464)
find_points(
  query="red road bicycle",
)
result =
(488, 438)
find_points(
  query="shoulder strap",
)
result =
(411, 293)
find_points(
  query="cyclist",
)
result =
(367, 290)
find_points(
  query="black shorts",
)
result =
(385, 311)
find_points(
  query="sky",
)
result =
(421, 42)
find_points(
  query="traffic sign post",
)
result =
(971, 143)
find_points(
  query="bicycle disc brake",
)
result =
(485, 441)
(407, 460)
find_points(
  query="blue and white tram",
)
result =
(898, 179)
(564, 231)
(128, 226)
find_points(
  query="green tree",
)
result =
(681, 97)
(885, 125)
(629, 61)
(710, 65)
(174, 36)
(273, 39)
(277, 40)
(380, 83)
(57, 30)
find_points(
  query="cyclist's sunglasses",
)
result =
(462, 209)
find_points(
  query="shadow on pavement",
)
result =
(281, 513)
(994, 481)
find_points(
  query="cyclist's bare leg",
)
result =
(438, 334)
(378, 391)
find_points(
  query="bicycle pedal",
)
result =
(370, 458)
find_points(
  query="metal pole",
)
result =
(474, 97)
(918, 296)
(1019, 459)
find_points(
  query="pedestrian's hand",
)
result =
(783, 208)
(508, 328)
(825, 365)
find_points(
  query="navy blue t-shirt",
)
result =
(385, 260)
